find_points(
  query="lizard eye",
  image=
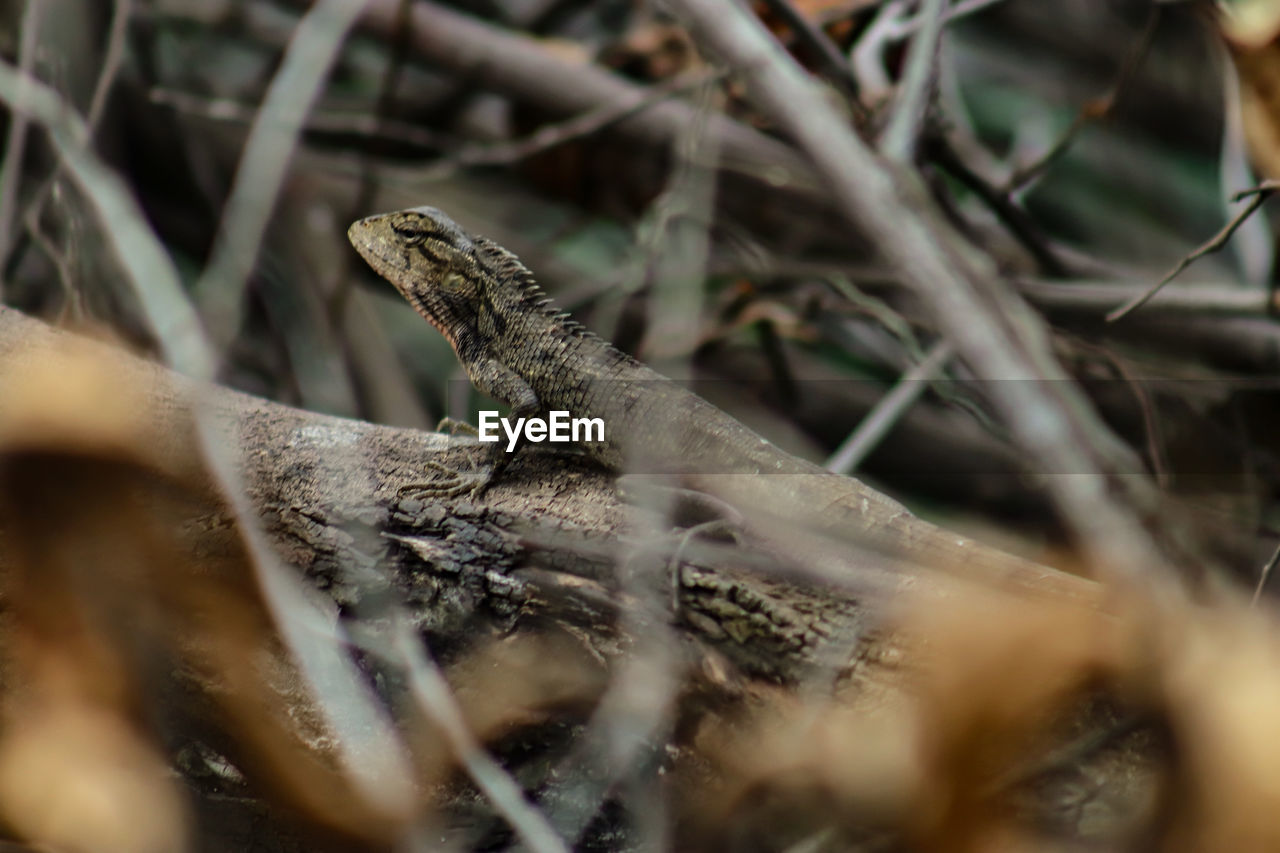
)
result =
(409, 234)
(453, 281)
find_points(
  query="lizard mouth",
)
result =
(387, 258)
(390, 261)
(364, 236)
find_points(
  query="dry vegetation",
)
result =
(922, 239)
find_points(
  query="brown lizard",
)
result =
(520, 350)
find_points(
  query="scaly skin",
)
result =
(518, 349)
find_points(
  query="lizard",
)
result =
(518, 348)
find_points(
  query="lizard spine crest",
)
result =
(508, 268)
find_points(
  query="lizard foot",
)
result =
(450, 484)
(453, 426)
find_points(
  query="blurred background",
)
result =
(1089, 147)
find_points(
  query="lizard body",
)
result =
(520, 350)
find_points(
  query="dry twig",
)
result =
(16, 138)
(828, 56)
(1258, 196)
(888, 411)
(274, 135)
(1091, 112)
(319, 121)
(898, 142)
(551, 135)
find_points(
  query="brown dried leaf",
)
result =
(82, 777)
(1249, 23)
(790, 769)
(996, 671)
(1219, 681)
(74, 711)
(128, 587)
(1250, 30)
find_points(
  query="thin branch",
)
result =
(955, 13)
(1238, 343)
(432, 693)
(318, 121)
(898, 142)
(876, 425)
(1264, 187)
(1156, 452)
(1010, 214)
(73, 307)
(969, 7)
(550, 135)
(1265, 577)
(1081, 296)
(16, 140)
(112, 59)
(1092, 111)
(823, 50)
(867, 57)
(1098, 297)
(337, 300)
(1259, 194)
(890, 25)
(272, 139)
(635, 714)
(150, 269)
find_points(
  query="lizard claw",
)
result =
(451, 484)
(478, 490)
(453, 426)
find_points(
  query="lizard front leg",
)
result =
(494, 378)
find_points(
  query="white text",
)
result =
(556, 427)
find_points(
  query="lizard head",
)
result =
(433, 263)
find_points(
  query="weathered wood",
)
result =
(336, 497)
